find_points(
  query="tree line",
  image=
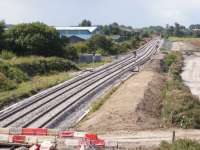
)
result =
(180, 30)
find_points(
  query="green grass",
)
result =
(181, 144)
(6, 54)
(180, 107)
(41, 73)
(29, 88)
(176, 39)
(96, 64)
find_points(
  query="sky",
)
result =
(136, 13)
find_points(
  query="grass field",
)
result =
(191, 40)
(26, 89)
(38, 82)
(176, 39)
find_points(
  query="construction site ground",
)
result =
(134, 106)
(131, 116)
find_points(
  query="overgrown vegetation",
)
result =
(40, 65)
(6, 54)
(28, 88)
(181, 144)
(180, 107)
(22, 69)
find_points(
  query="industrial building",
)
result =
(76, 34)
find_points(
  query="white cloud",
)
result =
(132, 12)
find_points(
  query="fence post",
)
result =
(173, 136)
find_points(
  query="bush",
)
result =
(34, 39)
(180, 107)
(5, 54)
(81, 47)
(12, 73)
(181, 144)
(40, 65)
(70, 53)
(6, 84)
(174, 59)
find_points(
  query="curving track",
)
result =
(47, 108)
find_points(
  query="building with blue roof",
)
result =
(78, 33)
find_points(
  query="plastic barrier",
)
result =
(80, 134)
(18, 139)
(66, 134)
(41, 139)
(15, 131)
(4, 138)
(91, 136)
(34, 131)
(4, 131)
(47, 146)
(41, 131)
(98, 142)
(52, 132)
(31, 139)
(28, 131)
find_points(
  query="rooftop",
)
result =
(90, 29)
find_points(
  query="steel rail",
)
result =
(70, 95)
(104, 69)
(60, 111)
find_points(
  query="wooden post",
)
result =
(173, 137)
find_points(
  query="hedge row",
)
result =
(12, 72)
(40, 65)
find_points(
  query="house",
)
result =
(76, 34)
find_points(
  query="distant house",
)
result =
(76, 34)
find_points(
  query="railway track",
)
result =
(49, 107)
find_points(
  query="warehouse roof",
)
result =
(90, 29)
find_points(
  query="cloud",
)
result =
(131, 12)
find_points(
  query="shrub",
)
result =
(13, 73)
(5, 54)
(181, 144)
(70, 53)
(34, 38)
(6, 84)
(81, 47)
(180, 107)
(40, 65)
(173, 58)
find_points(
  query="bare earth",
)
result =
(130, 117)
(191, 73)
(183, 46)
(134, 106)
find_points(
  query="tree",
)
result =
(85, 23)
(2, 29)
(178, 29)
(34, 38)
(100, 42)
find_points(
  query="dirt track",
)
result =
(149, 139)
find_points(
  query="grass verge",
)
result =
(177, 39)
(181, 144)
(180, 107)
(36, 84)
(94, 65)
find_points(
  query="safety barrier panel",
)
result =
(18, 139)
(34, 131)
(32, 136)
(64, 134)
